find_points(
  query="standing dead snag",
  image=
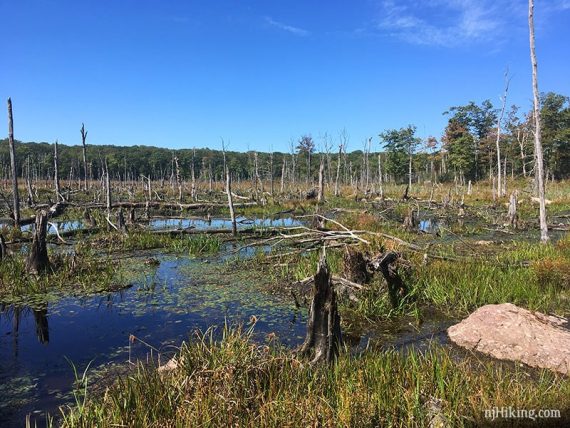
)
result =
(83, 139)
(58, 195)
(321, 190)
(512, 216)
(13, 165)
(230, 201)
(38, 260)
(323, 326)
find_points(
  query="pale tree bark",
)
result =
(230, 201)
(336, 184)
(380, 181)
(500, 190)
(16, 195)
(320, 195)
(178, 178)
(83, 139)
(58, 194)
(539, 167)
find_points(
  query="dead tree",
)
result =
(405, 196)
(121, 225)
(355, 266)
(83, 139)
(380, 182)
(230, 201)
(13, 165)
(410, 222)
(539, 163)
(132, 216)
(336, 182)
(108, 189)
(3, 248)
(42, 327)
(397, 289)
(58, 195)
(38, 261)
(512, 216)
(324, 338)
(321, 189)
(178, 178)
(193, 177)
(500, 190)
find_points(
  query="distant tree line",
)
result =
(465, 151)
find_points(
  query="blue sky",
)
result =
(260, 73)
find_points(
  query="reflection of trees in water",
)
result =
(42, 329)
(16, 313)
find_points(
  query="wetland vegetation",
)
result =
(423, 284)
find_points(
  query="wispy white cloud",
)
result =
(289, 28)
(447, 22)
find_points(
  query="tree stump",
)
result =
(121, 225)
(397, 289)
(410, 222)
(324, 337)
(132, 216)
(3, 249)
(355, 266)
(38, 260)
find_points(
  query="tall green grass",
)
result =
(233, 382)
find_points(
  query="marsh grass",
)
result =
(79, 272)
(144, 240)
(230, 381)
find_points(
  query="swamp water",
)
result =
(41, 343)
(175, 298)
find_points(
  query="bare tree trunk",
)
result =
(58, 194)
(29, 183)
(16, 207)
(178, 178)
(380, 181)
(410, 170)
(539, 167)
(500, 190)
(38, 260)
(320, 195)
(108, 190)
(193, 172)
(512, 215)
(336, 184)
(230, 201)
(283, 169)
(83, 139)
(323, 326)
(271, 173)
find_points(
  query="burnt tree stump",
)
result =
(324, 337)
(38, 260)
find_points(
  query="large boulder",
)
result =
(508, 332)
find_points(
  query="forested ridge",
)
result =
(466, 150)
